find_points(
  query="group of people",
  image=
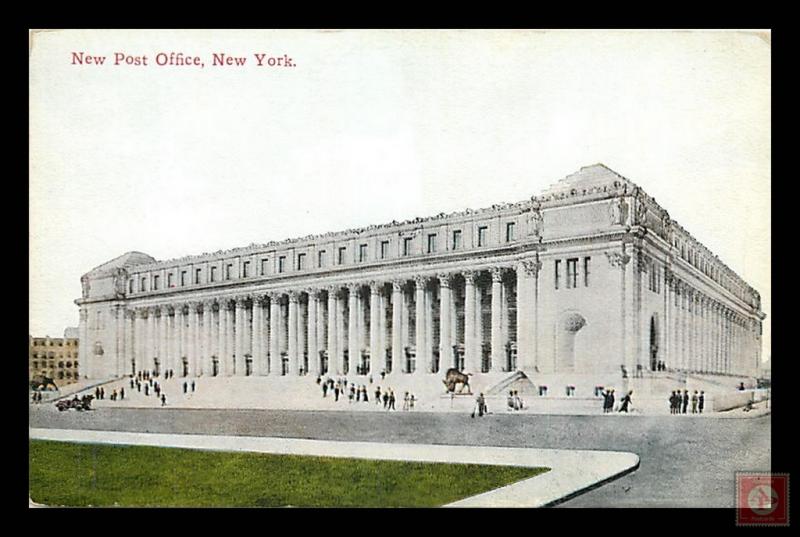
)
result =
(515, 401)
(359, 393)
(679, 402)
(480, 406)
(609, 398)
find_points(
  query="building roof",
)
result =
(586, 178)
(125, 260)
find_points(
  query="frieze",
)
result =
(617, 259)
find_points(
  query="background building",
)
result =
(57, 358)
(587, 282)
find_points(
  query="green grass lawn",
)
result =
(102, 475)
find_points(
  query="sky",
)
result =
(366, 127)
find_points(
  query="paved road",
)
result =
(685, 462)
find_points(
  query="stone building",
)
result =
(591, 278)
(56, 358)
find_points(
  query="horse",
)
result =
(453, 376)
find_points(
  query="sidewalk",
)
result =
(572, 471)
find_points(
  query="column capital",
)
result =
(444, 280)
(617, 259)
(141, 313)
(530, 266)
(469, 276)
(397, 284)
(420, 281)
(497, 274)
(130, 314)
(375, 287)
(208, 305)
(354, 288)
(293, 295)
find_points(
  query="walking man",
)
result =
(694, 402)
(685, 400)
(625, 402)
(701, 401)
(163, 399)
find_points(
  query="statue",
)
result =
(42, 382)
(618, 211)
(453, 377)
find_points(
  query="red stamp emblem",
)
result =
(762, 499)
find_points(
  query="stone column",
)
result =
(353, 337)
(274, 332)
(445, 334)
(84, 369)
(375, 354)
(321, 339)
(380, 364)
(398, 357)
(151, 337)
(471, 358)
(313, 344)
(334, 364)
(219, 337)
(428, 294)
(420, 344)
(257, 335)
(130, 351)
(208, 351)
(193, 339)
(237, 353)
(230, 337)
(292, 343)
(527, 314)
(497, 338)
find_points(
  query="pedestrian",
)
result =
(510, 400)
(685, 400)
(391, 400)
(319, 379)
(358, 395)
(336, 392)
(131, 384)
(405, 402)
(352, 394)
(518, 403)
(364, 395)
(378, 395)
(147, 389)
(625, 402)
(192, 386)
(480, 406)
(114, 395)
(122, 393)
(701, 401)
(611, 399)
(383, 374)
(694, 402)
(386, 399)
(97, 393)
(185, 387)
(324, 389)
(411, 400)
(138, 386)
(163, 399)
(672, 402)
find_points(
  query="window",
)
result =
(482, 230)
(572, 273)
(586, 261)
(197, 275)
(281, 264)
(655, 282)
(155, 282)
(558, 272)
(183, 278)
(246, 269)
(362, 253)
(130, 286)
(510, 232)
(228, 271)
(384, 249)
(407, 246)
(301, 261)
(457, 239)
(342, 253)
(143, 284)
(264, 265)
(432, 243)
(321, 258)
(36, 365)
(213, 274)
(170, 283)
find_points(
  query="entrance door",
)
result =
(248, 367)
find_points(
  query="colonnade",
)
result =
(415, 325)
